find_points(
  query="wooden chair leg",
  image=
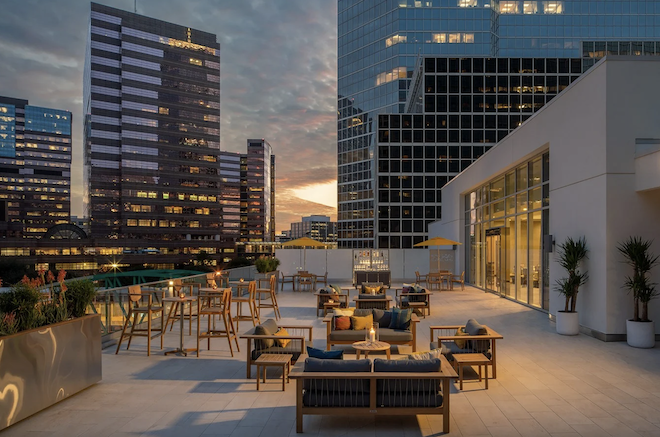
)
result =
(135, 316)
(224, 318)
(199, 323)
(123, 332)
(162, 333)
(149, 333)
(208, 338)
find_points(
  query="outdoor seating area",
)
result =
(538, 383)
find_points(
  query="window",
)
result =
(510, 7)
(467, 3)
(530, 7)
(553, 7)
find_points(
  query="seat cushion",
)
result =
(394, 335)
(348, 387)
(348, 335)
(408, 397)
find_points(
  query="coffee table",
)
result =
(367, 346)
(462, 360)
(277, 360)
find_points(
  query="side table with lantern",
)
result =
(371, 343)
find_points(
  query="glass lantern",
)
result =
(372, 333)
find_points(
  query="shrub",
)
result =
(23, 301)
(79, 295)
(265, 265)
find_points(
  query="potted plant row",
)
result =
(266, 266)
(50, 348)
(570, 256)
(640, 331)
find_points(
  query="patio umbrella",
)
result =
(304, 242)
(437, 241)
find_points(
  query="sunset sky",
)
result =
(278, 80)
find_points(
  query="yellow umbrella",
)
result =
(437, 241)
(304, 242)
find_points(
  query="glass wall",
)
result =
(506, 220)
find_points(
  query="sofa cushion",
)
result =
(360, 323)
(400, 319)
(434, 353)
(372, 288)
(269, 327)
(472, 327)
(396, 387)
(460, 342)
(327, 355)
(284, 341)
(342, 323)
(349, 387)
(349, 335)
(336, 288)
(362, 312)
(382, 317)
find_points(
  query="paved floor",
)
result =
(547, 385)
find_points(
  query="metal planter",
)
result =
(40, 367)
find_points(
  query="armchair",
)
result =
(420, 300)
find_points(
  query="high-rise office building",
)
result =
(493, 63)
(152, 128)
(316, 227)
(258, 192)
(35, 168)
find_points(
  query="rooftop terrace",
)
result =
(546, 384)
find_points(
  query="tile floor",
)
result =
(547, 385)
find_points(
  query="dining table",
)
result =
(438, 279)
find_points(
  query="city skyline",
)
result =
(262, 96)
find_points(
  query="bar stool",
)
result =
(250, 299)
(174, 313)
(216, 304)
(141, 304)
(269, 293)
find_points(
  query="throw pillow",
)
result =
(400, 319)
(472, 327)
(336, 289)
(263, 343)
(344, 312)
(407, 288)
(324, 291)
(435, 353)
(284, 341)
(360, 323)
(372, 287)
(342, 323)
(460, 343)
(326, 355)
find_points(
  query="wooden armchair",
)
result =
(420, 278)
(287, 279)
(414, 300)
(447, 337)
(323, 301)
(258, 344)
(460, 279)
(367, 301)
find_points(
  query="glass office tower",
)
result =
(35, 168)
(380, 50)
(152, 128)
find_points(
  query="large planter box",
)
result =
(40, 367)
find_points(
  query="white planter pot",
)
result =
(568, 323)
(640, 334)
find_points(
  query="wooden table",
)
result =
(277, 360)
(181, 301)
(367, 346)
(462, 360)
(437, 279)
(383, 302)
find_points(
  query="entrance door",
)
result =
(493, 262)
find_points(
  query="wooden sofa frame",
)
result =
(490, 335)
(446, 374)
(251, 337)
(414, 320)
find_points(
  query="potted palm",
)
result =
(640, 331)
(571, 253)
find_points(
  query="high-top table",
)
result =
(181, 301)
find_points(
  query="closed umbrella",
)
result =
(304, 242)
(437, 241)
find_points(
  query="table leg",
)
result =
(388, 354)
(258, 375)
(460, 376)
(486, 371)
(181, 333)
(357, 354)
(283, 377)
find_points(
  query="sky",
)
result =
(278, 80)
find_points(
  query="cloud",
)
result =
(278, 77)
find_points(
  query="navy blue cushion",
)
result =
(382, 317)
(414, 366)
(326, 355)
(400, 319)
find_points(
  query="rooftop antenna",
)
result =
(135, 6)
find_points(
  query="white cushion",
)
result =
(435, 353)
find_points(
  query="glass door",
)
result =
(493, 262)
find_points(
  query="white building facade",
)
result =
(586, 165)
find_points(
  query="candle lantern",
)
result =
(372, 333)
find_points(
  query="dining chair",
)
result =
(322, 279)
(141, 303)
(420, 278)
(460, 279)
(268, 299)
(213, 304)
(250, 300)
(288, 279)
(306, 281)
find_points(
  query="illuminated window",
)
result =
(397, 73)
(195, 61)
(555, 7)
(131, 222)
(467, 3)
(530, 7)
(454, 38)
(468, 38)
(439, 38)
(395, 39)
(164, 111)
(509, 7)
(142, 194)
(146, 223)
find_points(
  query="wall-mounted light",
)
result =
(548, 243)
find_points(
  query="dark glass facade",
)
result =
(152, 129)
(258, 192)
(35, 168)
(493, 64)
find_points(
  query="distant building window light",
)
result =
(530, 7)
(554, 7)
(468, 38)
(467, 3)
(453, 38)
(439, 38)
(389, 76)
(196, 61)
(395, 39)
(509, 7)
